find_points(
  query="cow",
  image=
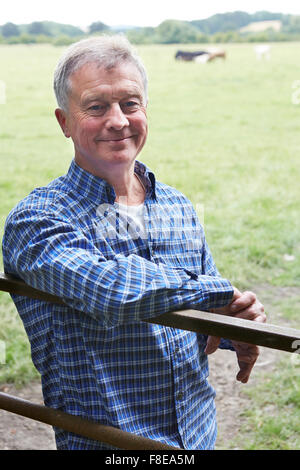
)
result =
(200, 56)
(188, 56)
(214, 53)
(263, 51)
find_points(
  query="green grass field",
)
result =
(224, 133)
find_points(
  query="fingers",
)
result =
(236, 294)
(243, 301)
(212, 344)
(253, 314)
(244, 305)
(244, 373)
(247, 355)
(248, 306)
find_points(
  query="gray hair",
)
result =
(106, 51)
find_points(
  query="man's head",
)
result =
(101, 89)
(105, 51)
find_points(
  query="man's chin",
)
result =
(116, 156)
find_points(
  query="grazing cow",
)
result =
(188, 56)
(214, 53)
(200, 56)
(263, 51)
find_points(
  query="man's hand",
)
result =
(243, 305)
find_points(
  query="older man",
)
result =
(118, 247)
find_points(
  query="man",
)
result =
(119, 248)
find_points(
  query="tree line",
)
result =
(219, 28)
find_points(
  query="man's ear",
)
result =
(62, 121)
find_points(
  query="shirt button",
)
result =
(179, 396)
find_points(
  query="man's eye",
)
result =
(130, 105)
(97, 108)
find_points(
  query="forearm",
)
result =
(55, 258)
(125, 289)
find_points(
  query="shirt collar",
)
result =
(99, 190)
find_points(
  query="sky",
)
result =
(131, 12)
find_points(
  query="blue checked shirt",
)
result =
(97, 357)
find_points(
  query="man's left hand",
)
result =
(244, 305)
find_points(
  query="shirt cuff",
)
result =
(218, 292)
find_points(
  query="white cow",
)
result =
(263, 51)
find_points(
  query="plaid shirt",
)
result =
(97, 357)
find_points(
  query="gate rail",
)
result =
(76, 424)
(261, 334)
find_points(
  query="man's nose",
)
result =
(116, 119)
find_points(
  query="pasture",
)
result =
(226, 134)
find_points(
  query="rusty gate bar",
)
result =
(84, 427)
(247, 331)
(261, 334)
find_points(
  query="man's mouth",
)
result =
(115, 139)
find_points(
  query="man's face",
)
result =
(106, 117)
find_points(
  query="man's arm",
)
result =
(51, 255)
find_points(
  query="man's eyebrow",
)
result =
(90, 98)
(134, 94)
(102, 96)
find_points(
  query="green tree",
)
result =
(10, 29)
(38, 27)
(175, 31)
(97, 27)
(222, 22)
(144, 35)
(294, 25)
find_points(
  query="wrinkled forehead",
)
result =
(92, 77)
